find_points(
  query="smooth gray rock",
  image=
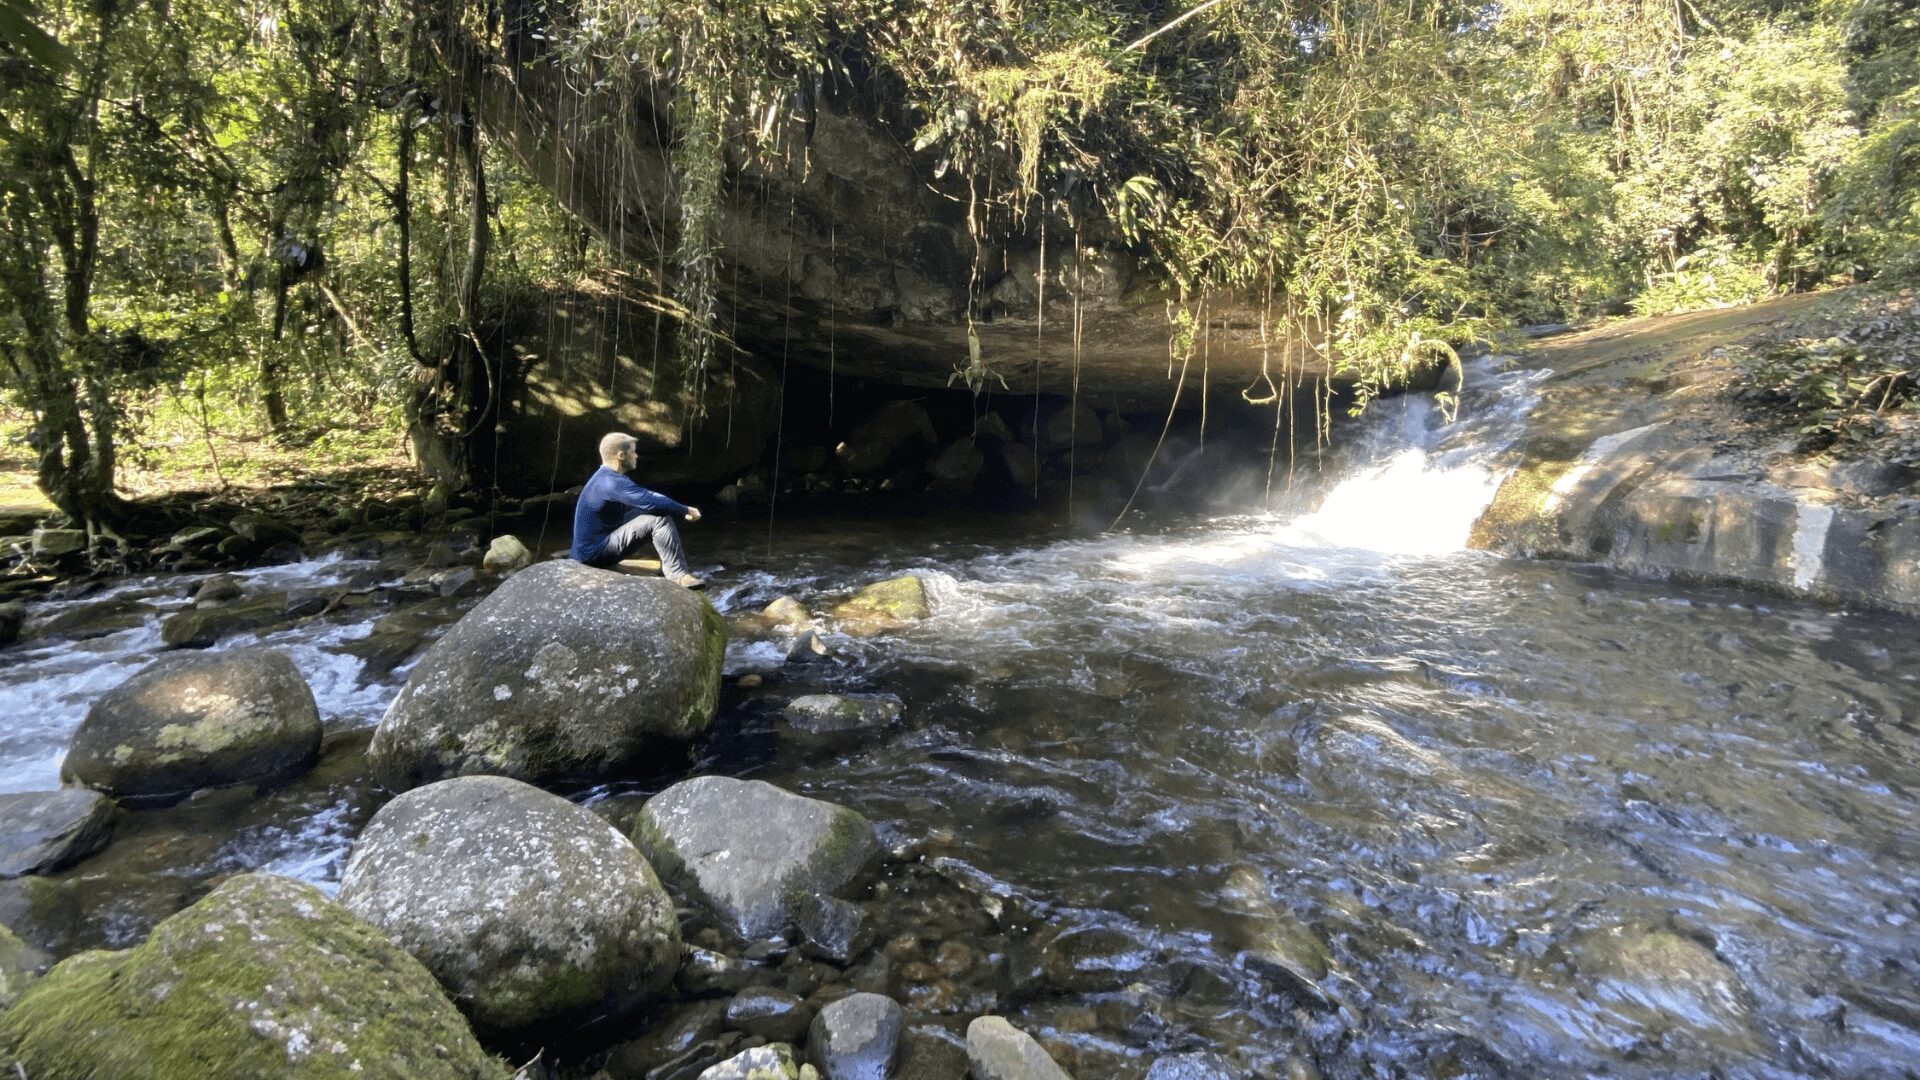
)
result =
(828, 715)
(999, 1051)
(749, 850)
(771, 1062)
(197, 720)
(218, 589)
(856, 1038)
(531, 911)
(45, 830)
(566, 672)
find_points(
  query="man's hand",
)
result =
(693, 513)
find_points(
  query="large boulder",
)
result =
(264, 978)
(893, 435)
(750, 851)
(999, 1051)
(856, 1037)
(45, 830)
(196, 720)
(564, 673)
(534, 913)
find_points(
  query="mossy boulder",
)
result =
(45, 830)
(265, 977)
(751, 852)
(21, 966)
(884, 605)
(564, 673)
(197, 720)
(534, 913)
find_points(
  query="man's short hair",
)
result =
(612, 445)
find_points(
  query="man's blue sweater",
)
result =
(609, 501)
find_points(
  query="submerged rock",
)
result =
(749, 851)
(531, 911)
(884, 605)
(1193, 1067)
(856, 1038)
(565, 672)
(264, 978)
(827, 715)
(197, 720)
(45, 830)
(999, 1051)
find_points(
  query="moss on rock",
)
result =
(20, 967)
(884, 605)
(264, 978)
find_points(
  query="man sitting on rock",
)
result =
(615, 516)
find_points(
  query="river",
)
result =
(1511, 818)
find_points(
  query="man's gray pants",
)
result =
(663, 531)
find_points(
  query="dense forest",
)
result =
(285, 214)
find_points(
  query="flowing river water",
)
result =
(1315, 786)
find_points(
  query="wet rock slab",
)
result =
(999, 1051)
(45, 830)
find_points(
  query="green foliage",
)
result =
(1843, 388)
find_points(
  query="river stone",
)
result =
(769, 1013)
(749, 851)
(1192, 1067)
(263, 978)
(534, 913)
(856, 1037)
(787, 612)
(565, 672)
(884, 605)
(196, 720)
(45, 830)
(13, 616)
(832, 928)
(772, 1062)
(826, 715)
(216, 590)
(21, 965)
(54, 543)
(957, 467)
(201, 627)
(505, 555)
(999, 1051)
(1651, 980)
